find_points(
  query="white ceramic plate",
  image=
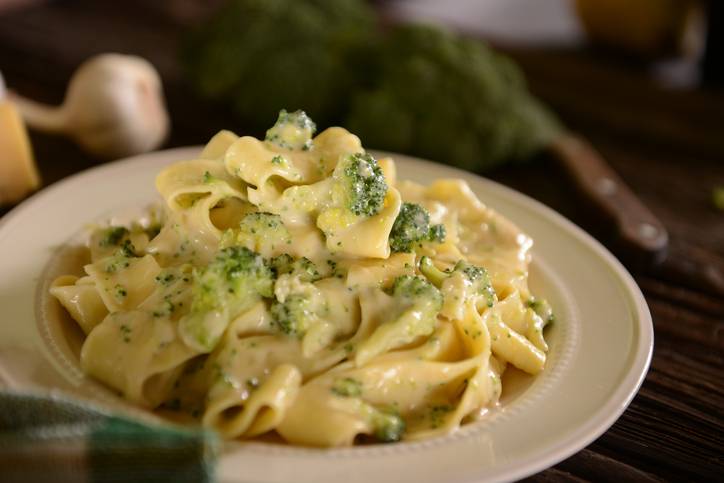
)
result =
(600, 344)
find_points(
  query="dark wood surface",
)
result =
(667, 145)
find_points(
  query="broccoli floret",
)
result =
(417, 67)
(293, 130)
(121, 257)
(347, 387)
(258, 231)
(357, 190)
(410, 289)
(388, 426)
(235, 275)
(295, 315)
(112, 236)
(543, 309)
(412, 227)
(437, 233)
(298, 311)
(413, 311)
(264, 55)
(127, 249)
(299, 304)
(360, 184)
(477, 279)
(235, 280)
(331, 58)
(303, 268)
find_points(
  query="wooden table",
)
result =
(669, 146)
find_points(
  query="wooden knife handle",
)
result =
(640, 232)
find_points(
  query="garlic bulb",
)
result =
(113, 107)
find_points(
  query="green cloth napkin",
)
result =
(55, 439)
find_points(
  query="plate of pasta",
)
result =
(327, 310)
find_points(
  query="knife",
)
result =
(640, 239)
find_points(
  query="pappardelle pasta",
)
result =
(295, 285)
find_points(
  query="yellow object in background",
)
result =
(18, 174)
(651, 28)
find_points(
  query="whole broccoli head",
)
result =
(477, 281)
(235, 280)
(412, 227)
(360, 185)
(270, 54)
(451, 99)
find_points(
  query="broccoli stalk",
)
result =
(412, 228)
(417, 304)
(475, 280)
(235, 280)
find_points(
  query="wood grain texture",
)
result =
(668, 146)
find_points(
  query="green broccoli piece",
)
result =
(412, 227)
(412, 313)
(295, 315)
(299, 304)
(258, 231)
(362, 183)
(388, 425)
(543, 309)
(477, 278)
(418, 291)
(265, 55)
(127, 249)
(121, 257)
(437, 233)
(235, 275)
(235, 280)
(302, 267)
(491, 118)
(347, 387)
(293, 130)
(260, 222)
(113, 235)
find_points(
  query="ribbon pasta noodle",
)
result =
(294, 285)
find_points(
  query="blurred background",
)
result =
(609, 111)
